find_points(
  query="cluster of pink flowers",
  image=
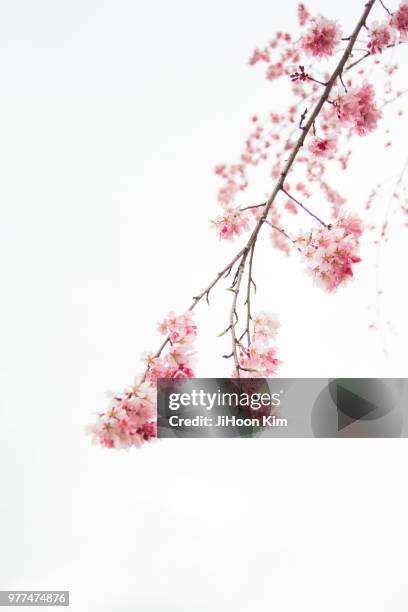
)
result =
(289, 56)
(303, 14)
(231, 223)
(399, 20)
(129, 420)
(180, 357)
(234, 180)
(381, 35)
(358, 108)
(331, 252)
(325, 147)
(260, 360)
(322, 37)
(131, 417)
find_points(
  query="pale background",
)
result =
(112, 116)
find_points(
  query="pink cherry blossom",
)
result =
(259, 55)
(325, 147)
(303, 14)
(322, 37)
(260, 360)
(358, 107)
(330, 253)
(127, 419)
(381, 35)
(400, 20)
(231, 223)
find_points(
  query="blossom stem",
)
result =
(363, 57)
(282, 231)
(304, 207)
(253, 206)
(385, 8)
(233, 313)
(248, 299)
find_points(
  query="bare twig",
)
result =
(385, 8)
(233, 313)
(362, 58)
(285, 234)
(304, 207)
(302, 118)
(253, 206)
(250, 284)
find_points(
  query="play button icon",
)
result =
(351, 407)
(358, 407)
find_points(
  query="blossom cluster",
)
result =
(330, 252)
(131, 417)
(358, 108)
(231, 223)
(260, 359)
(387, 33)
(322, 38)
(353, 110)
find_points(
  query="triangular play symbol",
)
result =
(351, 407)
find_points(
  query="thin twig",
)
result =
(225, 271)
(248, 299)
(233, 312)
(252, 206)
(304, 207)
(385, 8)
(285, 234)
(363, 57)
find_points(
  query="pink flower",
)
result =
(331, 252)
(325, 147)
(183, 372)
(322, 38)
(303, 14)
(381, 35)
(274, 71)
(260, 360)
(178, 326)
(358, 108)
(351, 224)
(400, 20)
(231, 223)
(259, 56)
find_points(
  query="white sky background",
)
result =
(113, 115)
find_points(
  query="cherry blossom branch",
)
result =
(253, 206)
(234, 314)
(304, 208)
(395, 98)
(385, 8)
(224, 273)
(323, 98)
(361, 59)
(295, 151)
(330, 251)
(284, 233)
(248, 299)
(243, 253)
